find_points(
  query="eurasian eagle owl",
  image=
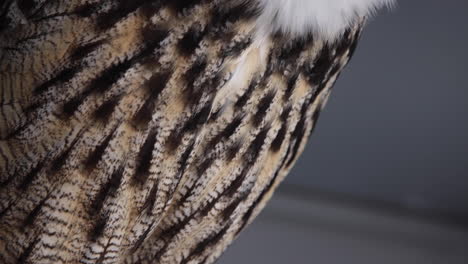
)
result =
(153, 131)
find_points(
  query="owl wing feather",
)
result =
(147, 131)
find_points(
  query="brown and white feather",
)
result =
(148, 131)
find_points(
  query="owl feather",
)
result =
(149, 131)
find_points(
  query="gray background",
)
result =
(396, 125)
(384, 178)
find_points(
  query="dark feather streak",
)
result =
(206, 243)
(23, 258)
(155, 86)
(226, 133)
(107, 190)
(144, 159)
(116, 14)
(81, 51)
(31, 217)
(62, 77)
(96, 155)
(190, 41)
(262, 108)
(104, 111)
(97, 229)
(29, 178)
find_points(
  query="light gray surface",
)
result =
(396, 125)
(298, 231)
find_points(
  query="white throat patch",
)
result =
(328, 18)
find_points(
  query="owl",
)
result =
(154, 131)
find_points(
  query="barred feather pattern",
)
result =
(148, 131)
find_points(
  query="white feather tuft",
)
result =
(327, 18)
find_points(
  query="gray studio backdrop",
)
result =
(394, 132)
(396, 125)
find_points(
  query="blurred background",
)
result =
(384, 178)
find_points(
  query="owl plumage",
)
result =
(149, 131)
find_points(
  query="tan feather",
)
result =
(148, 131)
